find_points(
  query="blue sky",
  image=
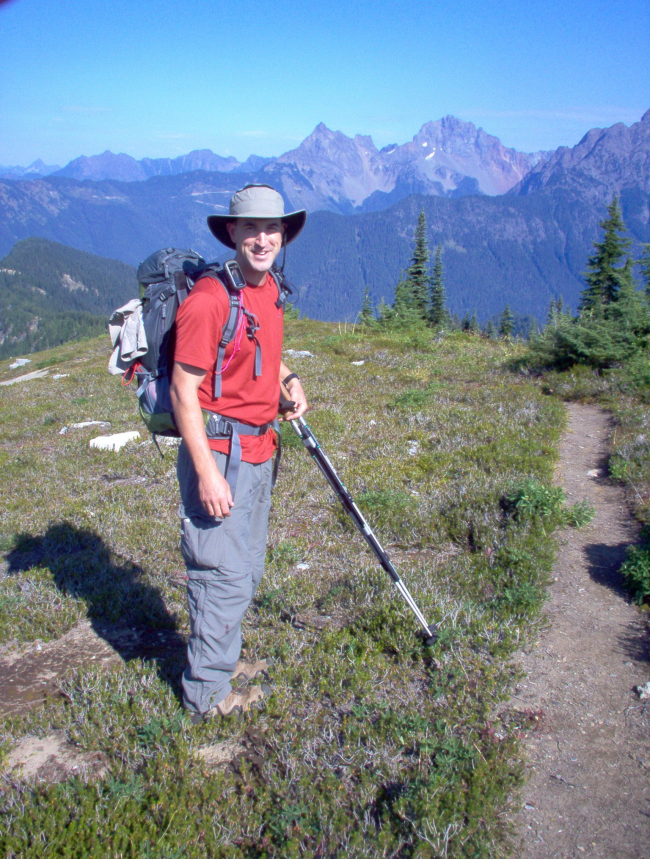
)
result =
(162, 77)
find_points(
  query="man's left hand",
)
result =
(297, 396)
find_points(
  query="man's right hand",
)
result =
(215, 495)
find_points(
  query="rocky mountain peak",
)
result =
(602, 164)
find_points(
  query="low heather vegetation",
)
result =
(372, 744)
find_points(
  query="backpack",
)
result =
(166, 279)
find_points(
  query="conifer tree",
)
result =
(366, 315)
(413, 292)
(506, 323)
(489, 330)
(438, 313)
(644, 262)
(605, 276)
(473, 324)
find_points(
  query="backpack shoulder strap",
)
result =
(284, 287)
(230, 328)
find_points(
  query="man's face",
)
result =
(258, 242)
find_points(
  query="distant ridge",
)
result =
(329, 170)
(124, 168)
(51, 293)
(36, 169)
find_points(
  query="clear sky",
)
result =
(162, 77)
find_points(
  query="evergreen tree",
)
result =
(405, 313)
(473, 324)
(506, 323)
(613, 323)
(605, 276)
(465, 323)
(438, 313)
(489, 330)
(366, 315)
(644, 262)
(412, 294)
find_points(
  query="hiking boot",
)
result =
(247, 671)
(239, 701)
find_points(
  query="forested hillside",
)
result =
(50, 293)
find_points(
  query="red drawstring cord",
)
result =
(238, 336)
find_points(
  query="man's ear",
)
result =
(230, 226)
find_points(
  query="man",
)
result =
(225, 513)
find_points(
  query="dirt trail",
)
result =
(588, 791)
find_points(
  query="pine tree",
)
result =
(644, 263)
(506, 323)
(489, 330)
(604, 274)
(473, 324)
(438, 313)
(413, 292)
(366, 315)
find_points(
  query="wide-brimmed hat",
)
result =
(256, 201)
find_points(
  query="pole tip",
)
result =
(430, 640)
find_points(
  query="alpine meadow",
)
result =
(438, 647)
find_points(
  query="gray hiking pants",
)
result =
(225, 562)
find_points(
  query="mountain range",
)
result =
(331, 171)
(515, 228)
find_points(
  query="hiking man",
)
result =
(225, 502)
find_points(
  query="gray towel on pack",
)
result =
(128, 337)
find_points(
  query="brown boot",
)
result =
(247, 671)
(239, 701)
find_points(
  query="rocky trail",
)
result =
(588, 760)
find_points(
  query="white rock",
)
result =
(114, 442)
(19, 362)
(594, 472)
(83, 424)
(60, 375)
(302, 567)
(298, 353)
(357, 363)
(414, 448)
(643, 691)
(373, 423)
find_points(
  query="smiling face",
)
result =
(258, 242)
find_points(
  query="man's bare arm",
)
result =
(214, 491)
(294, 387)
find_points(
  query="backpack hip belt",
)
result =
(222, 427)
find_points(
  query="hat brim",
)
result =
(294, 221)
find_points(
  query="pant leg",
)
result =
(224, 565)
(259, 521)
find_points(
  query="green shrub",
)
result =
(636, 571)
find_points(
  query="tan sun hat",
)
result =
(256, 201)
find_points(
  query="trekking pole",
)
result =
(309, 440)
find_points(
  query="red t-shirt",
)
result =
(199, 324)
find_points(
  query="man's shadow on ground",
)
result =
(123, 608)
(605, 568)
